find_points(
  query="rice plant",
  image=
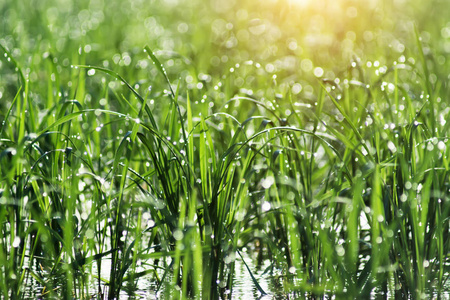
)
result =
(308, 150)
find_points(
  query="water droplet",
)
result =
(268, 182)
(340, 251)
(178, 235)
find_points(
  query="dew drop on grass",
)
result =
(266, 206)
(12, 151)
(90, 233)
(339, 117)
(340, 251)
(178, 235)
(290, 195)
(150, 223)
(392, 147)
(268, 182)
(318, 72)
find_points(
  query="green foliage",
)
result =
(309, 149)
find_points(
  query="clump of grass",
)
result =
(117, 171)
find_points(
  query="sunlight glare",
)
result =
(301, 3)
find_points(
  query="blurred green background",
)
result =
(287, 37)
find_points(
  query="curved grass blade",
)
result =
(15, 63)
(174, 96)
(74, 115)
(254, 101)
(294, 129)
(120, 78)
(160, 68)
(347, 119)
(10, 109)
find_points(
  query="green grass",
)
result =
(313, 141)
